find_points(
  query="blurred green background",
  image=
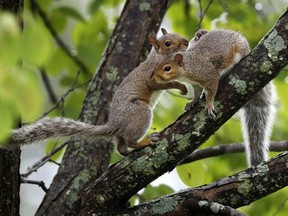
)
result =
(85, 27)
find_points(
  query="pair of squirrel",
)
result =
(209, 56)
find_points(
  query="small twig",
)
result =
(36, 8)
(187, 8)
(39, 183)
(228, 149)
(62, 99)
(47, 83)
(202, 14)
(43, 160)
(53, 161)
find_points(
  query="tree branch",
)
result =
(203, 13)
(39, 183)
(235, 191)
(43, 160)
(115, 187)
(48, 86)
(63, 97)
(229, 149)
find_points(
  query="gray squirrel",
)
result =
(211, 55)
(131, 108)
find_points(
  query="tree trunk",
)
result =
(10, 159)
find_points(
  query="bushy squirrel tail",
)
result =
(47, 128)
(257, 118)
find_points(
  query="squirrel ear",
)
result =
(164, 31)
(178, 58)
(154, 42)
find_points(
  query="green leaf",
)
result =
(50, 146)
(20, 87)
(43, 4)
(57, 62)
(155, 191)
(115, 157)
(72, 105)
(35, 42)
(70, 12)
(90, 39)
(192, 174)
(95, 5)
(9, 39)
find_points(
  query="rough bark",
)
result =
(112, 190)
(82, 162)
(235, 191)
(9, 182)
(10, 159)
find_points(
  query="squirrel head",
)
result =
(168, 43)
(170, 69)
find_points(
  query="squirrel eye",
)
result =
(167, 68)
(168, 43)
(185, 43)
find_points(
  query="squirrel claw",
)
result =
(190, 105)
(154, 137)
(200, 33)
(212, 113)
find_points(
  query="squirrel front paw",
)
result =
(199, 34)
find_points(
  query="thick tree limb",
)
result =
(235, 191)
(229, 149)
(83, 162)
(134, 172)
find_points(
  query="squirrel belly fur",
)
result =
(131, 108)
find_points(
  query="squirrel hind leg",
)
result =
(210, 91)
